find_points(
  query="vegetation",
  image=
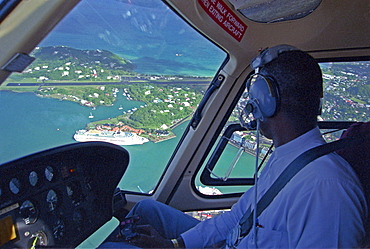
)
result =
(174, 104)
(65, 63)
(166, 105)
(347, 91)
(87, 95)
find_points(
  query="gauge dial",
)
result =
(52, 200)
(15, 185)
(38, 239)
(28, 212)
(33, 178)
(49, 173)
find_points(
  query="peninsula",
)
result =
(95, 77)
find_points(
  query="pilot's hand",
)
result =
(148, 237)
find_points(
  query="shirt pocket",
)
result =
(266, 238)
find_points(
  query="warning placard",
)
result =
(224, 17)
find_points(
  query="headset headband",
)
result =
(270, 54)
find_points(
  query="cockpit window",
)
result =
(127, 72)
(275, 11)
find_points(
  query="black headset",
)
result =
(263, 90)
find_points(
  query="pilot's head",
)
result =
(287, 81)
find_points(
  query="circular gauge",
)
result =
(52, 200)
(28, 212)
(38, 239)
(49, 173)
(33, 178)
(15, 185)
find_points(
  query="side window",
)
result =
(127, 73)
(231, 164)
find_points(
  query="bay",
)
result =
(30, 124)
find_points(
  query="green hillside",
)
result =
(68, 64)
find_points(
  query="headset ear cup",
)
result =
(264, 96)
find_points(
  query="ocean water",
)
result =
(31, 124)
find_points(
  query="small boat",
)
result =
(120, 107)
(91, 116)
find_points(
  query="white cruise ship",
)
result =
(119, 138)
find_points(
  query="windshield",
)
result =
(127, 72)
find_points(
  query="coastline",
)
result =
(74, 95)
(163, 139)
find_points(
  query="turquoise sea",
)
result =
(31, 124)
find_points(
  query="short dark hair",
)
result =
(299, 80)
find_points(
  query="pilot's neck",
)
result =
(284, 130)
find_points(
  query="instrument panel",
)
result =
(59, 197)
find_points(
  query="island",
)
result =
(94, 77)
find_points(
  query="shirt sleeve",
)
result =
(216, 229)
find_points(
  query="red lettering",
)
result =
(205, 3)
(221, 8)
(216, 14)
(224, 17)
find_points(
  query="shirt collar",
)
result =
(304, 142)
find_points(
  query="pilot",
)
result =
(323, 205)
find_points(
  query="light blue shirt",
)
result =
(323, 206)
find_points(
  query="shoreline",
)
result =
(156, 138)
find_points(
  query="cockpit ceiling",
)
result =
(325, 28)
(268, 11)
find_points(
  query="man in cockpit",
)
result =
(322, 206)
